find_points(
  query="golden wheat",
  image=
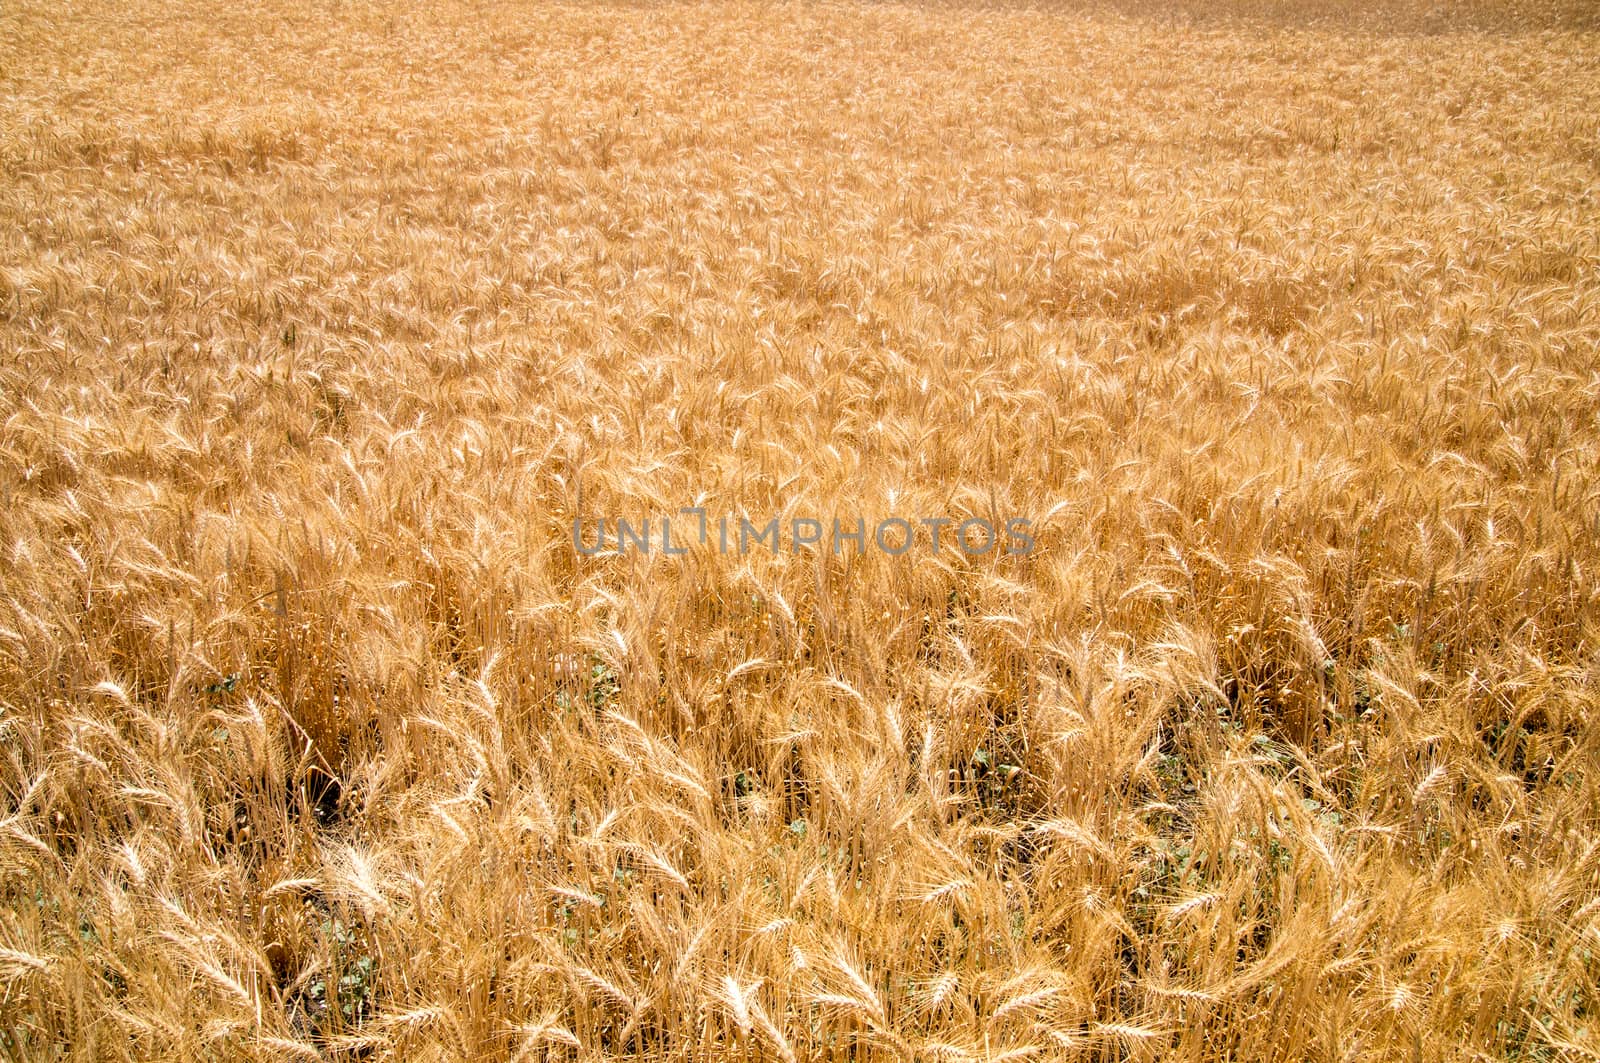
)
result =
(322, 322)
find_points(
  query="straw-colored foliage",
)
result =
(320, 321)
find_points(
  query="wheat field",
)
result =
(323, 321)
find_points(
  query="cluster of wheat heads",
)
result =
(320, 322)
